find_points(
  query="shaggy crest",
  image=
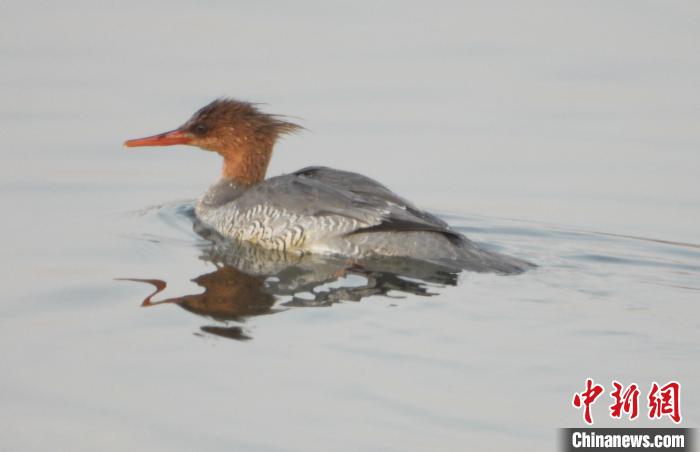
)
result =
(241, 117)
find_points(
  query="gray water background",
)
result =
(531, 126)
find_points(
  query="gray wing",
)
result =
(325, 192)
(369, 189)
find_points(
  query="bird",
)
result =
(316, 209)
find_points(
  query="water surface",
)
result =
(562, 134)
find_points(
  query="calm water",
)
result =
(567, 136)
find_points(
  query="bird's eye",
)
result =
(200, 129)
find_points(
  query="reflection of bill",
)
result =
(229, 295)
(249, 281)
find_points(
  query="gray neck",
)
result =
(222, 192)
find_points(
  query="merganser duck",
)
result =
(313, 210)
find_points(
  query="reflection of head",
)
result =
(229, 294)
(248, 281)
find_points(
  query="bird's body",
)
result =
(326, 211)
(314, 210)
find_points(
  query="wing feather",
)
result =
(321, 191)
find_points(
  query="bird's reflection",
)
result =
(249, 281)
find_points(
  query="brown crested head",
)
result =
(227, 123)
(243, 135)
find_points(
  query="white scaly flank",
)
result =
(274, 228)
